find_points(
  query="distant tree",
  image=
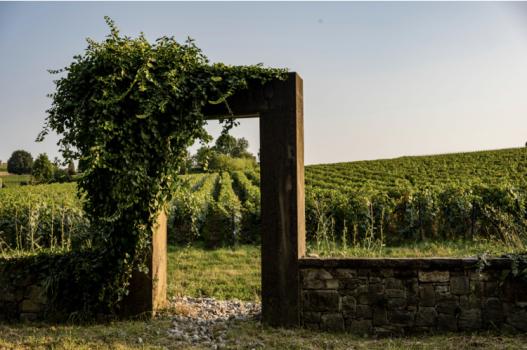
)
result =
(226, 144)
(81, 166)
(20, 162)
(71, 168)
(43, 169)
(202, 157)
(241, 148)
(57, 162)
(61, 175)
(187, 163)
(231, 146)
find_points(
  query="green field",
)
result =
(10, 180)
(355, 207)
(14, 180)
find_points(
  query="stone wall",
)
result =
(402, 296)
(22, 299)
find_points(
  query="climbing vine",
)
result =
(128, 109)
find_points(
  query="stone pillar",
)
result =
(282, 200)
(148, 292)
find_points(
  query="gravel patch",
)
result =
(205, 321)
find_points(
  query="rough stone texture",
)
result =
(459, 285)
(24, 300)
(332, 322)
(426, 316)
(434, 276)
(470, 320)
(404, 296)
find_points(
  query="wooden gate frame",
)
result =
(279, 106)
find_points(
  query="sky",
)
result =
(381, 80)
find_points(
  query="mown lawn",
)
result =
(225, 273)
(247, 335)
(14, 180)
(453, 249)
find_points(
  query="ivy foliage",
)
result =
(128, 109)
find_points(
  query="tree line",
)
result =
(227, 154)
(41, 169)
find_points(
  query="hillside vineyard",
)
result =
(396, 201)
(408, 199)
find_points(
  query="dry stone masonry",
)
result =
(402, 296)
(22, 299)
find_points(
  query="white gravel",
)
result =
(205, 321)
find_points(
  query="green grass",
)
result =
(14, 180)
(152, 334)
(453, 249)
(221, 273)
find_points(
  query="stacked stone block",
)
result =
(22, 299)
(402, 296)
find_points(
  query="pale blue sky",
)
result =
(380, 79)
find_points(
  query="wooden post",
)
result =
(148, 292)
(282, 200)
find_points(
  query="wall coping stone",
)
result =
(420, 263)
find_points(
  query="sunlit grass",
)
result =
(16, 253)
(14, 180)
(223, 273)
(455, 249)
(152, 334)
